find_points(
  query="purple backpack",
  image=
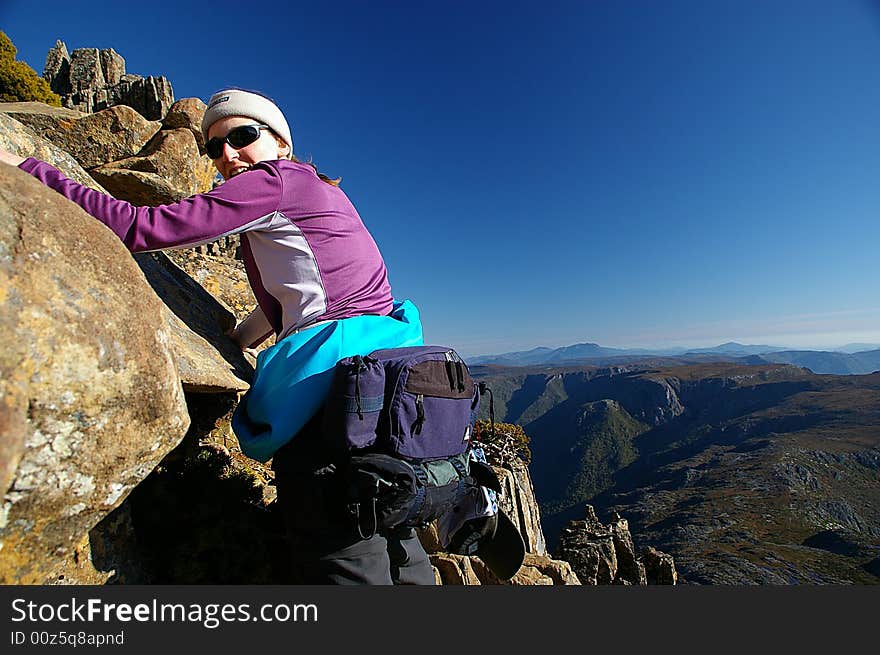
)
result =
(416, 403)
(401, 421)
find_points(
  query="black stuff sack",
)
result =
(385, 492)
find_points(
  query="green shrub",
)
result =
(18, 81)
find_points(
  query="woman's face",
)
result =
(232, 162)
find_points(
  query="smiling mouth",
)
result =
(242, 169)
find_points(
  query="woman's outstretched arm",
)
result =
(8, 158)
(245, 202)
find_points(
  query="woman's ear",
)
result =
(283, 149)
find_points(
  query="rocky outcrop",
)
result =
(129, 157)
(602, 555)
(629, 568)
(92, 139)
(187, 113)
(21, 140)
(518, 502)
(589, 547)
(659, 567)
(90, 80)
(91, 398)
(164, 171)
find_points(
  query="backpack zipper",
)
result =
(450, 370)
(456, 380)
(420, 414)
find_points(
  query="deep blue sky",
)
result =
(629, 173)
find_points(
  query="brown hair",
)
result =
(309, 162)
(319, 173)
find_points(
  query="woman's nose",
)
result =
(229, 153)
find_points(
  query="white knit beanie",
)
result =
(240, 102)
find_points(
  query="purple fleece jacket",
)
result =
(307, 253)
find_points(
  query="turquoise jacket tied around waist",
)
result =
(293, 377)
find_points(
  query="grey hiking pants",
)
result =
(325, 544)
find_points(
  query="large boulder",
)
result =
(187, 113)
(167, 170)
(91, 396)
(93, 139)
(196, 321)
(208, 361)
(659, 567)
(222, 276)
(24, 142)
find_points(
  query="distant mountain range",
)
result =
(848, 360)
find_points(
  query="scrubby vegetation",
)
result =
(506, 442)
(18, 81)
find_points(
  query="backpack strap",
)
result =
(422, 477)
(462, 475)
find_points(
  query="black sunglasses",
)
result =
(238, 138)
